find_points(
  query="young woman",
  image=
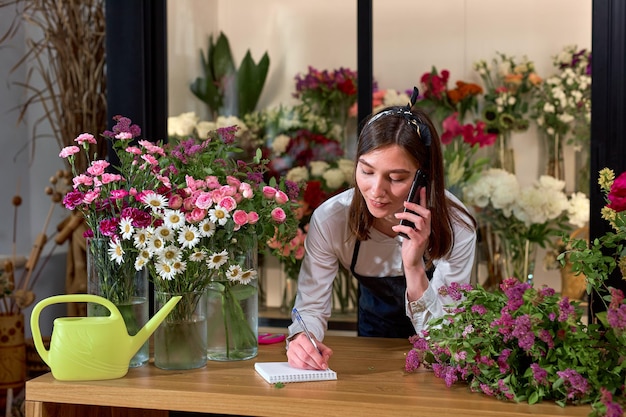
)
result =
(399, 276)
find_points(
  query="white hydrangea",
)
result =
(578, 210)
(318, 168)
(334, 178)
(298, 174)
(182, 125)
(280, 143)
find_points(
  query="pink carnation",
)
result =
(109, 178)
(278, 215)
(85, 137)
(82, 179)
(98, 167)
(134, 150)
(68, 151)
(90, 196)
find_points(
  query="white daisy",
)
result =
(126, 228)
(165, 270)
(116, 252)
(140, 239)
(154, 201)
(219, 215)
(247, 276)
(174, 219)
(197, 256)
(217, 259)
(165, 233)
(140, 263)
(206, 228)
(178, 267)
(234, 273)
(156, 244)
(170, 254)
(188, 236)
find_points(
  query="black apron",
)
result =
(381, 310)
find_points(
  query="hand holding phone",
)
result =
(419, 182)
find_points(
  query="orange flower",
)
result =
(534, 79)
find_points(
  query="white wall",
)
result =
(410, 36)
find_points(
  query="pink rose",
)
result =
(204, 200)
(253, 217)
(228, 190)
(281, 197)
(299, 253)
(212, 182)
(176, 201)
(278, 215)
(240, 217)
(246, 190)
(68, 151)
(85, 138)
(232, 181)
(189, 204)
(196, 215)
(269, 192)
(228, 203)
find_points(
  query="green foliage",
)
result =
(226, 90)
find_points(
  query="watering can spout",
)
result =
(146, 331)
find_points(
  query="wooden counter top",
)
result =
(371, 381)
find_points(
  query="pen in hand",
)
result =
(298, 317)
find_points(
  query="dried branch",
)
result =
(66, 67)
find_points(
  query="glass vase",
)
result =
(180, 341)
(121, 284)
(345, 291)
(233, 312)
(504, 156)
(554, 156)
(521, 256)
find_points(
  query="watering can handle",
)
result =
(58, 299)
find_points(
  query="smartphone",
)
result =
(419, 182)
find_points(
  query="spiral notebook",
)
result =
(274, 372)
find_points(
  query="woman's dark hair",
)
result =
(392, 127)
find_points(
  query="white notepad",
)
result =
(274, 372)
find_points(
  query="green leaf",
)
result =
(250, 81)
(242, 292)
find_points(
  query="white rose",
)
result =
(298, 174)
(334, 178)
(182, 125)
(318, 168)
(280, 143)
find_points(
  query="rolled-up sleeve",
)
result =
(457, 267)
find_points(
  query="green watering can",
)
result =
(91, 348)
